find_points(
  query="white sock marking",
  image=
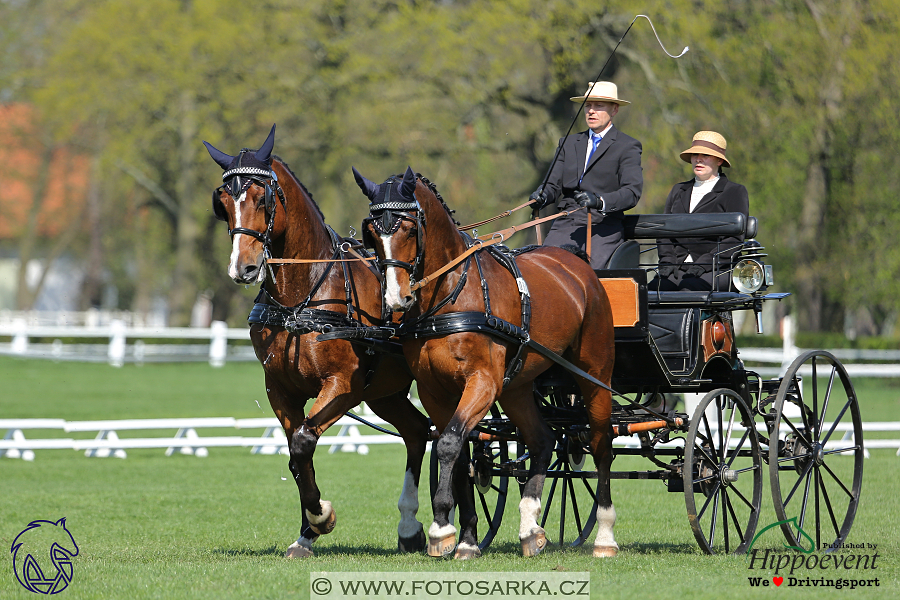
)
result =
(409, 506)
(440, 532)
(606, 519)
(529, 511)
(326, 512)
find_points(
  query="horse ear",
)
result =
(408, 187)
(264, 154)
(61, 522)
(222, 159)
(368, 188)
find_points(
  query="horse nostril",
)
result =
(250, 269)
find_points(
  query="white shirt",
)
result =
(701, 189)
(590, 144)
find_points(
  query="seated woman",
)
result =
(688, 264)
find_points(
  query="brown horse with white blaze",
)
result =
(270, 214)
(460, 374)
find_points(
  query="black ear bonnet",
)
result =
(243, 170)
(389, 204)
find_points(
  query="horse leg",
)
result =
(333, 401)
(464, 495)
(520, 406)
(412, 426)
(448, 447)
(601, 446)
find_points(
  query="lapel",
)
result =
(711, 196)
(604, 145)
(581, 141)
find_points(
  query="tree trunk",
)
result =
(184, 282)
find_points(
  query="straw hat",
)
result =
(602, 91)
(707, 142)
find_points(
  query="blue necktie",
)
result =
(595, 141)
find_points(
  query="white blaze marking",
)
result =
(529, 510)
(606, 518)
(392, 283)
(235, 251)
(409, 506)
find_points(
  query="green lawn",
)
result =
(153, 526)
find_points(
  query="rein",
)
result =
(483, 241)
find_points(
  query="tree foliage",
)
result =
(475, 96)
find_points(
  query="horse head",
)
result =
(395, 228)
(246, 201)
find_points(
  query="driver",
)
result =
(600, 169)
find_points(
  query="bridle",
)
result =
(237, 181)
(386, 218)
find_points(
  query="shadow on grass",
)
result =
(243, 552)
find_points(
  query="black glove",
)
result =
(540, 198)
(694, 271)
(666, 270)
(588, 199)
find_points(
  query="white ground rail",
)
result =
(349, 438)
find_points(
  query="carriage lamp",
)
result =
(748, 276)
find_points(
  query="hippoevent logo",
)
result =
(803, 567)
(42, 556)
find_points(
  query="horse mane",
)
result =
(433, 188)
(297, 179)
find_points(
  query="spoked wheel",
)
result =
(491, 486)
(722, 474)
(816, 453)
(570, 494)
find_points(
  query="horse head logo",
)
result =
(40, 545)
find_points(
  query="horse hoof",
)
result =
(605, 551)
(466, 551)
(415, 543)
(441, 546)
(297, 551)
(534, 544)
(326, 526)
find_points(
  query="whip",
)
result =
(597, 78)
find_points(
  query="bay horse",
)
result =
(461, 372)
(270, 214)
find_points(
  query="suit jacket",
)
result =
(614, 172)
(726, 196)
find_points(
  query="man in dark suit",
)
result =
(688, 264)
(599, 169)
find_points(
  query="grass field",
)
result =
(153, 526)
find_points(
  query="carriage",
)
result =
(325, 331)
(801, 431)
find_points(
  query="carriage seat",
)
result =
(652, 227)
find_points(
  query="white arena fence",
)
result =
(186, 440)
(125, 341)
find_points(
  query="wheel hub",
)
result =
(818, 453)
(727, 476)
